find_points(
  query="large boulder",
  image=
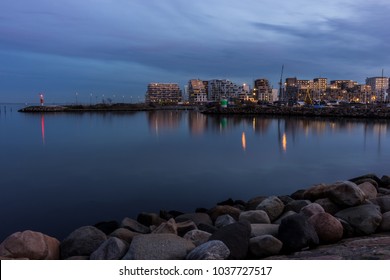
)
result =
(198, 237)
(264, 229)
(363, 218)
(273, 206)
(264, 246)
(255, 217)
(367, 178)
(184, 227)
(197, 218)
(124, 234)
(220, 210)
(369, 190)
(297, 233)
(312, 209)
(385, 223)
(328, 205)
(166, 227)
(296, 205)
(211, 250)
(383, 202)
(158, 247)
(111, 249)
(284, 215)
(30, 245)
(135, 226)
(236, 238)
(328, 228)
(224, 220)
(82, 242)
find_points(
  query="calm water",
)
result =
(62, 171)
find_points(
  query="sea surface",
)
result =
(60, 171)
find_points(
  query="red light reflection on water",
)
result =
(43, 128)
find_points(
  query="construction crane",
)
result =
(281, 95)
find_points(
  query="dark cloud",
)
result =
(109, 43)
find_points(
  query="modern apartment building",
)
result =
(220, 89)
(379, 85)
(197, 91)
(262, 90)
(163, 93)
(320, 84)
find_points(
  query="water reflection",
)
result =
(164, 120)
(43, 128)
(243, 141)
(288, 128)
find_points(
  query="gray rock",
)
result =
(264, 229)
(158, 247)
(264, 246)
(197, 218)
(224, 220)
(211, 250)
(296, 205)
(344, 193)
(312, 209)
(369, 190)
(149, 219)
(135, 226)
(30, 245)
(166, 227)
(255, 217)
(363, 218)
(222, 210)
(124, 234)
(184, 227)
(384, 191)
(328, 228)
(348, 230)
(111, 249)
(296, 233)
(82, 242)
(383, 202)
(273, 206)
(365, 178)
(236, 238)
(254, 202)
(284, 215)
(385, 223)
(328, 205)
(198, 237)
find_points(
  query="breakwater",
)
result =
(343, 220)
(371, 111)
(361, 111)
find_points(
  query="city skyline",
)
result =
(117, 47)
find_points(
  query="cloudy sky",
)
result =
(116, 47)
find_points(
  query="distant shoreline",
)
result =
(352, 111)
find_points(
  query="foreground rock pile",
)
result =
(344, 220)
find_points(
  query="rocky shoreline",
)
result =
(371, 111)
(344, 220)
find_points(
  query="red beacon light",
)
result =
(41, 99)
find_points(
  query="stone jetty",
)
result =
(343, 220)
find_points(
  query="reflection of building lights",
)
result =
(254, 124)
(284, 142)
(243, 140)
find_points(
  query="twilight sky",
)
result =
(116, 47)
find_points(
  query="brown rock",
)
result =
(312, 209)
(328, 228)
(166, 227)
(124, 234)
(31, 245)
(368, 189)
